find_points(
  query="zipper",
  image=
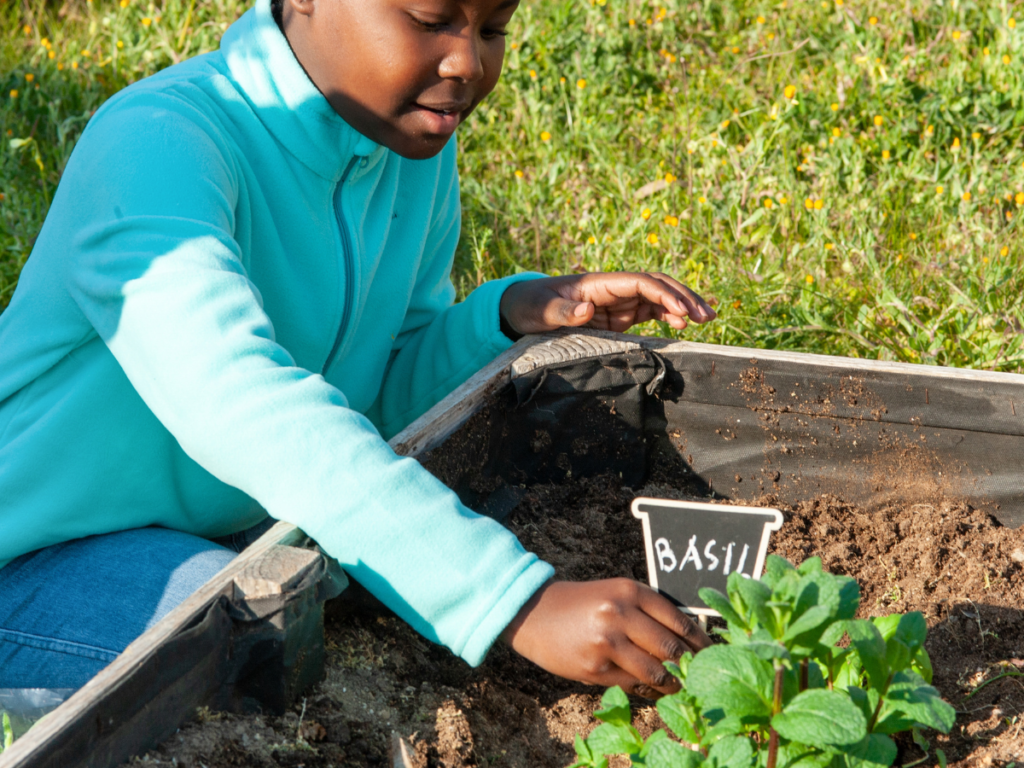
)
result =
(347, 257)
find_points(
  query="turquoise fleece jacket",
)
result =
(234, 296)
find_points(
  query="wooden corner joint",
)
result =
(280, 569)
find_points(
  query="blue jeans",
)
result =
(68, 610)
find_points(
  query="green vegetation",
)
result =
(781, 692)
(845, 177)
(6, 731)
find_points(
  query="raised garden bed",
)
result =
(906, 478)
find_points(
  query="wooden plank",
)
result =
(563, 347)
(278, 571)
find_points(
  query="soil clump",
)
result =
(955, 564)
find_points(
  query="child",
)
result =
(241, 290)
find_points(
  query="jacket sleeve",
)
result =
(155, 269)
(441, 344)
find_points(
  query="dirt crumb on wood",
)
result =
(954, 563)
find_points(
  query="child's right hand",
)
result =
(609, 632)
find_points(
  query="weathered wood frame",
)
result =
(114, 717)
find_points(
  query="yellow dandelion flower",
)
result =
(60, 66)
(652, 238)
(737, 304)
(789, 91)
(1019, 199)
(735, 49)
(591, 240)
(760, 19)
(839, 3)
(1009, 215)
(29, 77)
(519, 174)
(27, 29)
(533, 73)
(725, 124)
(835, 107)
(819, 204)
(899, 257)
(836, 132)
(967, 197)
(913, 236)
(771, 36)
(45, 42)
(146, 21)
(14, 93)
(645, 214)
(939, 189)
(783, 200)
(714, 142)
(885, 154)
(1006, 58)
(768, 202)
(581, 83)
(702, 199)
(124, 3)
(545, 136)
(985, 51)
(632, 22)
(975, 135)
(672, 221)
(809, 204)
(74, 65)
(956, 34)
(1004, 251)
(984, 259)
(669, 178)
(809, 279)
(829, 246)
(878, 120)
(1011, 22)
(561, 80)
(873, 20)
(51, 55)
(514, 46)
(930, 130)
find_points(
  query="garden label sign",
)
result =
(691, 545)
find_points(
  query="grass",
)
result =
(845, 177)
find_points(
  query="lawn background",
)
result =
(845, 177)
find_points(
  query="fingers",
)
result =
(661, 610)
(696, 308)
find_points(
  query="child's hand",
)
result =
(610, 632)
(612, 301)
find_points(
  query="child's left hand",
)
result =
(612, 301)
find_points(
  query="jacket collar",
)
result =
(262, 64)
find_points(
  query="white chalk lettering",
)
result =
(665, 554)
(713, 561)
(692, 555)
(728, 559)
(743, 560)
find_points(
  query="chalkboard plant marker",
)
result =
(692, 545)
(781, 691)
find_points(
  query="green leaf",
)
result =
(887, 624)
(802, 756)
(866, 700)
(912, 630)
(813, 618)
(671, 754)
(608, 739)
(849, 597)
(897, 655)
(833, 633)
(679, 715)
(615, 705)
(755, 595)
(942, 758)
(809, 566)
(733, 679)
(732, 752)
(727, 726)
(716, 601)
(922, 664)
(910, 701)
(775, 568)
(821, 718)
(865, 637)
(873, 751)
(584, 755)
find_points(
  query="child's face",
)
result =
(405, 73)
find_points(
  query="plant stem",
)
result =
(878, 708)
(773, 736)
(804, 671)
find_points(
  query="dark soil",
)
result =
(955, 564)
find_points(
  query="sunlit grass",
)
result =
(845, 177)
